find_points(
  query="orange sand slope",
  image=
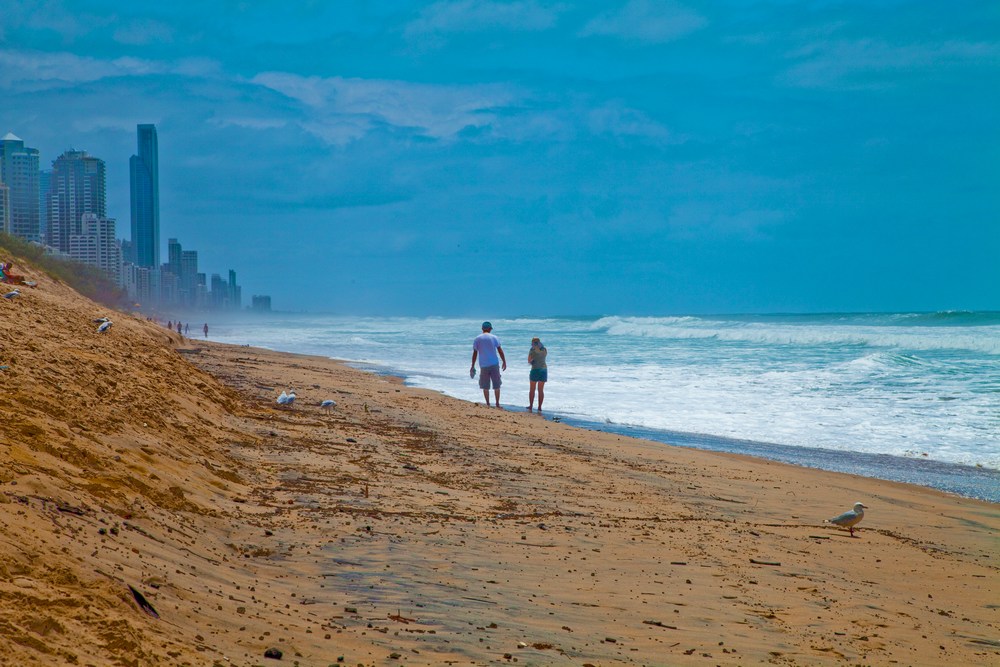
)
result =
(403, 527)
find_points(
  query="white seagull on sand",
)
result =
(12, 294)
(104, 326)
(286, 399)
(327, 404)
(850, 518)
(101, 320)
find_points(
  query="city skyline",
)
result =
(629, 157)
(71, 200)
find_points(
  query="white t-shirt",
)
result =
(486, 345)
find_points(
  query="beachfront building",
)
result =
(19, 172)
(260, 303)
(44, 181)
(142, 284)
(96, 245)
(77, 186)
(4, 208)
(145, 196)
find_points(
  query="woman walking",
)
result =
(539, 373)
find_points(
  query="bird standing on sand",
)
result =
(327, 404)
(286, 399)
(850, 518)
(104, 326)
(12, 294)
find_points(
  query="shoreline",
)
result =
(974, 482)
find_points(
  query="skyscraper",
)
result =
(145, 180)
(19, 172)
(78, 185)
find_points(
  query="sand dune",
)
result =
(404, 527)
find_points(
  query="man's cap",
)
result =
(487, 325)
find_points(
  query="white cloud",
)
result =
(31, 69)
(620, 121)
(863, 63)
(477, 15)
(343, 107)
(646, 21)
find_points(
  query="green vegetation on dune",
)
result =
(89, 281)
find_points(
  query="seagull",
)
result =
(12, 294)
(105, 325)
(327, 404)
(101, 320)
(286, 399)
(850, 518)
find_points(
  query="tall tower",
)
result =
(145, 179)
(78, 185)
(19, 172)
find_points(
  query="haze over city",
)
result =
(538, 157)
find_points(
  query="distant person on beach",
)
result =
(205, 329)
(486, 347)
(187, 328)
(178, 327)
(539, 373)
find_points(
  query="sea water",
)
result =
(911, 396)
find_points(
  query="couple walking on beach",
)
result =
(486, 347)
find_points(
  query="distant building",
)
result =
(261, 303)
(77, 185)
(189, 278)
(145, 195)
(235, 292)
(4, 208)
(44, 179)
(19, 172)
(96, 245)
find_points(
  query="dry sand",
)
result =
(404, 527)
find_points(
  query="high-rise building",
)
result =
(77, 185)
(4, 208)
(19, 172)
(235, 292)
(145, 181)
(95, 245)
(44, 179)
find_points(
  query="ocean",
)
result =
(911, 397)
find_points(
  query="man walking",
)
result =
(487, 348)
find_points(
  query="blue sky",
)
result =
(542, 158)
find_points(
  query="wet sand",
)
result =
(405, 527)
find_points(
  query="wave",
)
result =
(984, 338)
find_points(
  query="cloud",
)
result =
(342, 109)
(479, 15)
(870, 63)
(620, 121)
(646, 21)
(35, 69)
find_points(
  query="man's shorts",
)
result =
(539, 375)
(489, 373)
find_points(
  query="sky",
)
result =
(535, 157)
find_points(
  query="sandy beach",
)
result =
(405, 527)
